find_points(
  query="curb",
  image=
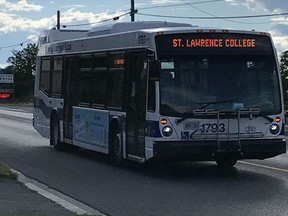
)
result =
(65, 201)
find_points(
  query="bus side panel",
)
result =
(41, 122)
(91, 128)
(43, 107)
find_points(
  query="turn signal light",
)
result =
(277, 119)
(163, 121)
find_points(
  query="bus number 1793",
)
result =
(214, 128)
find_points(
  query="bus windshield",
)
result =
(221, 82)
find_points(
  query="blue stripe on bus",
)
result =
(282, 130)
(153, 129)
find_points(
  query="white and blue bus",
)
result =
(160, 90)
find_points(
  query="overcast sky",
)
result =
(22, 21)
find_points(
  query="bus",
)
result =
(147, 91)
(6, 87)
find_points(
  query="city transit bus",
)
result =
(161, 90)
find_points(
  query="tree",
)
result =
(284, 72)
(23, 64)
(284, 64)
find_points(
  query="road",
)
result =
(184, 189)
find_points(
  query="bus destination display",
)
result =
(213, 43)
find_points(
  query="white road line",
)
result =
(66, 202)
(264, 166)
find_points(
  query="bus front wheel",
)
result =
(226, 161)
(55, 135)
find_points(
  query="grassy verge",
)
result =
(5, 172)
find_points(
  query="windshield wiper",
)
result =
(185, 115)
(194, 113)
(214, 102)
(255, 112)
(190, 114)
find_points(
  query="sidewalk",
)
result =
(17, 200)
(25, 196)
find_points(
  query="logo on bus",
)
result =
(250, 129)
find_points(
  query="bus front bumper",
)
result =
(208, 149)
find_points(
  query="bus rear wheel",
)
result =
(116, 147)
(55, 135)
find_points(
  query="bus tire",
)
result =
(116, 147)
(55, 135)
(226, 161)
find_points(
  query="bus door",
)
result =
(69, 96)
(136, 103)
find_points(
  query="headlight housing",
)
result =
(167, 131)
(274, 129)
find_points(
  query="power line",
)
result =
(215, 17)
(76, 25)
(18, 44)
(189, 4)
(133, 11)
(210, 17)
(180, 4)
(210, 14)
(92, 23)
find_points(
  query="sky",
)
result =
(21, 22)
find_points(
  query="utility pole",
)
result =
(132, 12)
(58, 20)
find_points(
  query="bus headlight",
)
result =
(167, 131)
(274, 129)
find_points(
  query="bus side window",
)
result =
(57, 77)
(84, 87)
(151, 106)
(116, 81)
(99, 81)
(86, 64)
(99, 86)
(45, 75)
(116, 65)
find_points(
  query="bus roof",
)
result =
(54, 35)
(123, 35)
(132, 26)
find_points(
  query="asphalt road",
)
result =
(198, 188)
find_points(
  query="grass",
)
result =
(5, 172)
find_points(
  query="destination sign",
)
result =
(213, 44)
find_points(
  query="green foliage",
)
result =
(23, 65)
(284, 72)
(6, 172)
